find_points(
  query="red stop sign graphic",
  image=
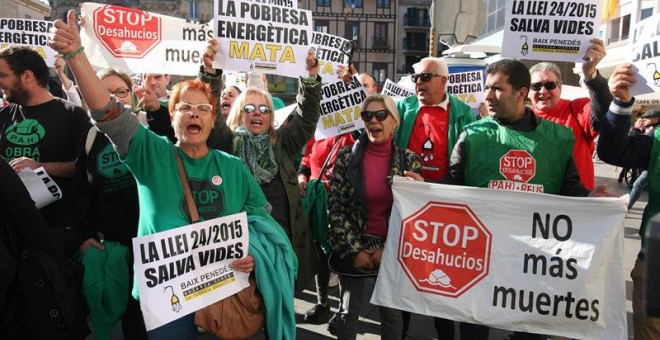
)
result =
(518, 165)
(444, 249)
(127, 32)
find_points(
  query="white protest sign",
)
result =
(646, 55)
(181, 270)
(467, 86)
(395, 90)
(331, 51)
(28, 32)
(258, 37)
(43, 189)
(136, 41)
(283, 3)
(536, 263)
(557, 30)
(340, 108)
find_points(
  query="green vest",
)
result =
(487, 157)
(653, 206)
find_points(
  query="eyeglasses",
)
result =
(425, 77)
(121, 92)
(186, 108)
(551, 85)
(381, 115)
(263, 109)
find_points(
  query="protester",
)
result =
(153, 162)
(159, 83)
(363, 173)
(227, 98)
(582, 115)
(483, 111)
(109, 188)
(316, 153)
(67, 85)
(616, 147)
(430, 124)
(268, 154)
(31, 258)
(475, 160)
(39, 130)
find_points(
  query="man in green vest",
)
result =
(514, 149)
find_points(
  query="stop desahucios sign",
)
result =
(444, 248)
(127, 32)
(518, 165)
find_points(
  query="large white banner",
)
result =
(136, 41)
(185, 269)
(258, 37)
(646, 55)
(521, 261)
(556, 30)
(28, 32)
(340, 108)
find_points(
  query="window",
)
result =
(381, 39)
(417, 17)
(323, 3)
(620, 29)
(193, 10)
(495, 16)
(353, 4)
(322, 26)
(383, 3)
(380, 72)
(353, 31)
(646, 12)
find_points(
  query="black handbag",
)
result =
(344, 265)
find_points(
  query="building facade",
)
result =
(371, 24)
(25, 9)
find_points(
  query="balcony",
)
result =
(415, 46)
(415, 22)
(381, 43)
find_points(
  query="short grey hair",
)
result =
(440, 65)
(547, 66)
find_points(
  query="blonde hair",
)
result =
(235, 117)
(389, 103)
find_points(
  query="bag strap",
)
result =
(327, 159)
(192, 208)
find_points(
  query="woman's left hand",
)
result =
(312, 63)
(376, 257)
(244, 265)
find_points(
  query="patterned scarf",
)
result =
(256, 152)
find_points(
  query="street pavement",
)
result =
(421, 327)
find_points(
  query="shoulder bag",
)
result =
(239, 316)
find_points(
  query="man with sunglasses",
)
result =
(475, 160)
(430, 124)
(582, 115)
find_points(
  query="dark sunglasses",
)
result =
(381, 115)
(425, 77)
(551, 85)
(263, 109)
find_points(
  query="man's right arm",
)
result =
(456, 173)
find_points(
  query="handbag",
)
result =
(239, 316)
(344, 265)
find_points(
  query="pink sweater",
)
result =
(378, 193)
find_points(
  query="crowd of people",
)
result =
(114, 148)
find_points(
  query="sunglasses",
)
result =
(551, 85)
(187, 108)
(121, 92)
(263, 109)
(425, 77)
(381, 115)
